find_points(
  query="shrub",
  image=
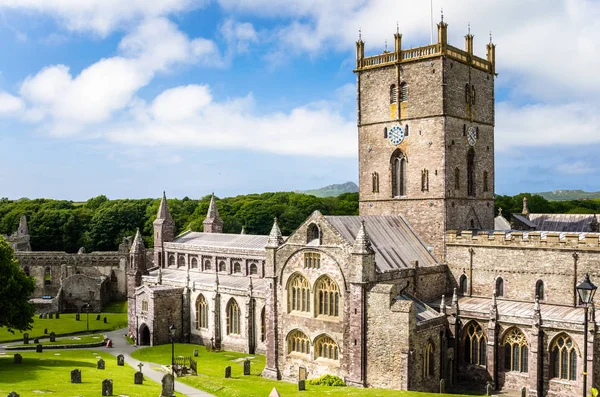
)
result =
(327, 380)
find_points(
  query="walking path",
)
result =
(121, 346)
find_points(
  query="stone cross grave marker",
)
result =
(52, 337)
(13, 394)
(301, 385)
(76, 376)
(140, 365)
(120, 360)
(18, 359)
(246, 367)
(107, 387)
(168, 385)
(26, 338)
(38, 348)
(228, 371)
(100, 364)
(138, 378)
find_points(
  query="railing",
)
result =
(182, 363)
(420, 52)
(377, 60)
(457, 54)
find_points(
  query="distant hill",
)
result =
(559, 195)
(332, 190)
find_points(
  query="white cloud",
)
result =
(10, 105)
(575, 168)
(239, 35)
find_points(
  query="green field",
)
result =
(67, 325)
(211, 371)
(50, 373)
(69, 340)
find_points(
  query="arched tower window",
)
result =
(375, 180)
(563, 358)
(462, 285)
(474, 342)
(393, 94)
(456, 178)
(485, 181)
(328, 297)
(539, 290)
(207, 265)
(298, 342)
(253, 268)
(428, 360)
(222, 266)
(499, 286)
(181, 261)
(516, 351)
(313, 234)
(201, 312)
(326, 348)
(194, 263)
(237, 267)
(47, 276)
(233, 317)
(403, 92)
(298, 294)
(398, 174)
(471, 172)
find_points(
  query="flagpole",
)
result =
(431, 14)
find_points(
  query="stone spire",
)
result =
(362, 244)
(243, 230)
(138, 243)
(23, 230)
(455, 301)
(525, 208)
(443, 305)
(163, 209)
(275, 238)
(594, 224)
(213, 222)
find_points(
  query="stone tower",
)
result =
(164, 231)
(426, 136)
(213, 222)
(137, 268)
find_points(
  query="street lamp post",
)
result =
(586, 291)
(172, 330)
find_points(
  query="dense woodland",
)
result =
(101, 224)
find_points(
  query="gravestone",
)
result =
(38, 348)
(195, 352)
(104, 320)
(301, 385)
(140, 365)
(45, 331)
(228, 371)
(168, 386)
(524, 392)
(301, 373)
(36, 341)
(50, 316)
(26, 338)
(76, 316)
(247, 367)
(45, 315)
(41, 316)
(107, 387)
(98, 317)
(57, 316)
(100, 364)
(18, 358)
(52, 337)
(488, 389)
(13, 394)
(138, 378)
(76, 376)
(274, 393)
(442, 386)
(120, 360)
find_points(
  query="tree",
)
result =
(15, 290)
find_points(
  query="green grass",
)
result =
(67, 325)
(116, 307)
(211, 371)
(50, 372)
(71, 340)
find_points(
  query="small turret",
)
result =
(469, 42)
(362, 244)
(164, 230)
(360, 50)
(525, 210)
(22, 230)
(275, 237)
(442, 32)
(137, 254)
(213, 223)
(491, 54)
(243, 230)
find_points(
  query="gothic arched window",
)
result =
(398, 174)
(516, 351)
(328, 297)
(201, 312)
(471, 172)
(298, 342)
(326, 348)
(298, 294)
(499, 286)
(207, 265)
(237, 267)
(539, 290)
(474, 342)
(222, 266)
(233, 317)
(403, 92)
(462, 284)
(194, 263)
(253, 268)
(375, 180)
(428, 360)
(393, 94)
(47, 276)
(181, 261)
(563, 358)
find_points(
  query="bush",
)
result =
(327, 380)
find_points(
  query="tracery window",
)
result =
(201, 312)
(326, 348)
(403, 92)
(312, 260)
(425, 180)
(237, 267)
(233, 317)
(253, 268)
(207, 265)
(328, 297)
(298, 342)
(456, 178)
(298, 294)
(516, 351)
(499, 286)
(428, 360)
(181, 261)
(393, 94)
(222, 266)
(375, 180)
(564, 358)
(398, 174)
(462, 284)
(47, 276)
(471, 172)
(194, 263)
(171, 260)
(474, 342)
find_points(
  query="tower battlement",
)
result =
(441, 48)
(524, 239)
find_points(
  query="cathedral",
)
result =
(426, 284)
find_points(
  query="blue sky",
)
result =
(132, 98)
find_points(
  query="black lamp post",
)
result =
(172, 330)
(586, 291)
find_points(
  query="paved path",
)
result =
(120, 346)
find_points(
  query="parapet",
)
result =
(524, 239)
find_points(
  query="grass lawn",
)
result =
(67, 325)
(50, 372)
(116, 307)
(71, 340)
(211, 376)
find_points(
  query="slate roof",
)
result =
(422, 311)
(523, 219)
(573, 223)
(224, 240)
(395, 244)
(501, 223)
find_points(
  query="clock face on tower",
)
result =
(396, 135)
(472, 136)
